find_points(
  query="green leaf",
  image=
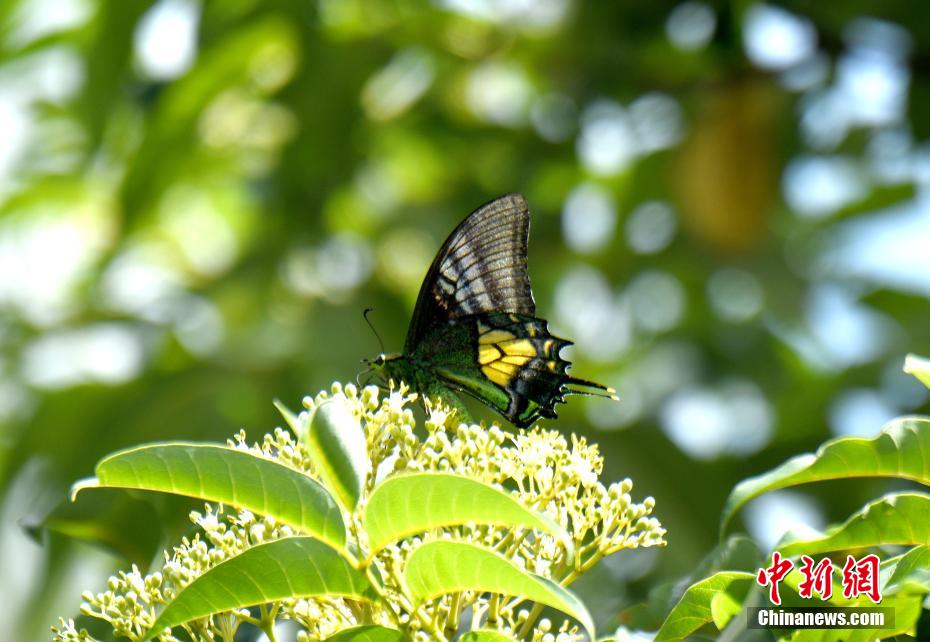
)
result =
(338, 447)
(894, 519)
(229, 476)
(723, 607)
(286, 568)
(737, 553)
(298, 427)
(441, 567)
(368, 633)
(919, 367)
(901, 450)
(911, 573)
(485, 636)
(413, 503)
(906, 613)
(877, 199)
(695, 609)
(109, 518)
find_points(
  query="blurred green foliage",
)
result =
(197, 200)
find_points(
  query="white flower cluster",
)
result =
(541, 468)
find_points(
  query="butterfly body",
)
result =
(474, 329)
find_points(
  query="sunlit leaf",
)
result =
(408, 504)
(695, 609)
(338, 448)
(441, 567)
(293, 421)
(723, 607)
(229, 476)
(368, 633)
(906, 611)
(911, 573)
(286, 568)
(895, 519)
(919, 367)
(901, 450)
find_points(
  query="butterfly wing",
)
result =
(508, 361)
(474, 329)
(481, 268)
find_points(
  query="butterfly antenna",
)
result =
(370, 325)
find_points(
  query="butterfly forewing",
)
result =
(481, 268)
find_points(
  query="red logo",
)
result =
(817, 579)
(773, 575)
(859, 577)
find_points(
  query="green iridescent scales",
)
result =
(474, 329)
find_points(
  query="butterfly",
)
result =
(474, 329)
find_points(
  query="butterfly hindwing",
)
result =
(481, 268)
(516, 367)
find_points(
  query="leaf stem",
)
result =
(452, 620)
(530, 621)
(267, 621)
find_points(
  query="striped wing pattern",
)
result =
(481, 268)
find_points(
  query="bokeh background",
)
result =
(198, 199)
